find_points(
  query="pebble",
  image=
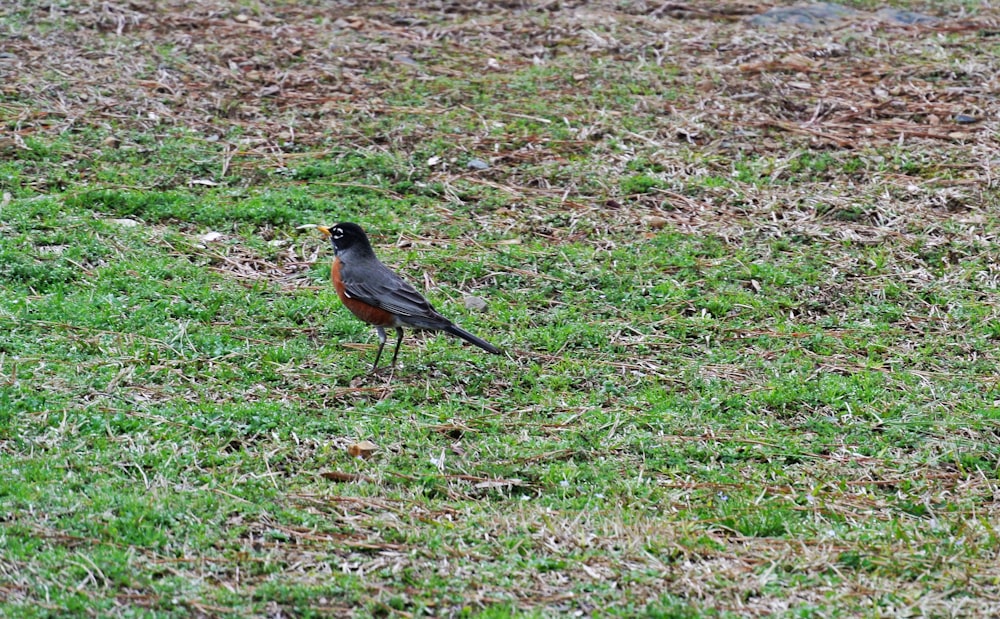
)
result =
(474, 303)
(125, 223)
(210, 237)
(820, 14)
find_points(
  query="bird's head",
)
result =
(345, 236)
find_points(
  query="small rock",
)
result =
(909, 18)
(817, 14)
(474, 303)
(125, 223)
(210, 237)
(965, 119)
(477, 164)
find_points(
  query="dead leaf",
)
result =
(363, 449)
(655, 221)
(343, 477)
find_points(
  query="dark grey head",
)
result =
(346, 236)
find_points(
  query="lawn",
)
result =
(744, 277)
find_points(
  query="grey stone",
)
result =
(474, 303)
(818, 14)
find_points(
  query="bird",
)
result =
(375, 294)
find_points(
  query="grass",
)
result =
(778, 399)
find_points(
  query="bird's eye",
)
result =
(338, 233)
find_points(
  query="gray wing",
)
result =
(384, 289)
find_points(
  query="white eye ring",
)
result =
(338, 233)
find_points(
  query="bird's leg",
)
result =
(399, 340)
(381, 345)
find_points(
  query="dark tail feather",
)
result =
(472, 339)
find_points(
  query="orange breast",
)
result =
(367, 313)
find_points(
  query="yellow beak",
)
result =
(324, 230)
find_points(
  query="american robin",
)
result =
(378, 296)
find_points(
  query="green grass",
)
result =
(781, 401)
